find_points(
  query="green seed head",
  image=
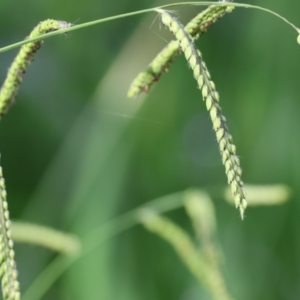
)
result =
(26, 54)
(195, 28)
(211, 97)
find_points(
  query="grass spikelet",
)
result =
(8, 271)
(200, 24)
(161, 63)
(19, 66)
(211, 98)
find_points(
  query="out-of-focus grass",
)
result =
(75, 156)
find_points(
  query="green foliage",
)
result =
(75, 156)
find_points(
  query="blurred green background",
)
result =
(76, 152)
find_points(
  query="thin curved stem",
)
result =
(97, 237)
(197, 3)
(120, 224)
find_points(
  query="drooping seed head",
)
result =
(196, 27)
(18, 68)
(209, 94)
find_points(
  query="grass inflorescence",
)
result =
(8, 91)
(8, 271)
(19, 66)
(211, 98)
(161, 63)
(184, 43)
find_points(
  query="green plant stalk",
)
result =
(105, 232)
(97, 237)
(161, 63)
(8, 270)
(206, 273)
(19, 66)
(50, 28)
(211, 97)
(108, 19)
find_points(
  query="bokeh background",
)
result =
(76, 152)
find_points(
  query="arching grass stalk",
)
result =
(19, 66)
(211, 98)
(154, 9)
(118, 225)
(95, 238)
(161, 63)
(50, 28)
